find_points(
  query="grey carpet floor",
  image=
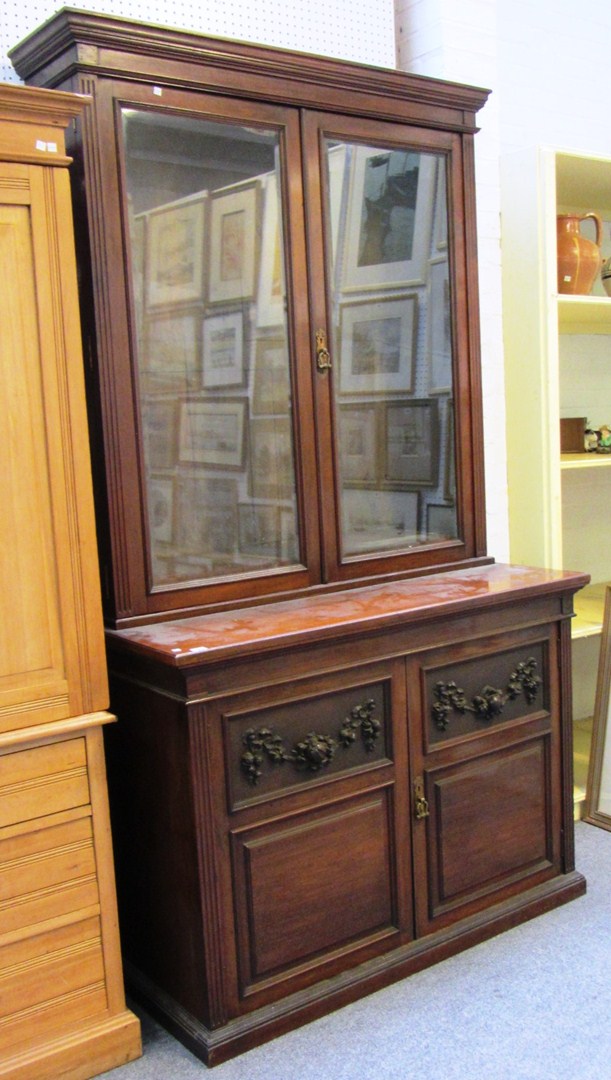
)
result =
(531, 1004)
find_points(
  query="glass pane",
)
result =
(391, 308)
(211, 350)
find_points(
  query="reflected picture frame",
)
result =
(160, 432)
(223, 350)
(441, 521)
(271, 461)
(271, 388)
(377, 345)
(259, 529)
(170, 354)
(368, 263)
(440, 222)
(271, 292)
(598, 786)
(160, 496)
(175, 239)
(376, 521)
(359, 444)
(439, 327)
(212, 433)
(411, 444)
(207, 519)
(233, 243)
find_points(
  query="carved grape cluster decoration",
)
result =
(490, 701)
(315, 751)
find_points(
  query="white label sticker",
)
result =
(46, 147)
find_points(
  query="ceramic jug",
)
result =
(579, 259)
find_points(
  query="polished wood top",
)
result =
(209, 637)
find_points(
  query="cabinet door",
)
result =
(211, 491)
(51, 643)
(281, 364)
(317, 827)
(486, 775)
(390, 282)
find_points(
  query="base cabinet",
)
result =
(308, 821)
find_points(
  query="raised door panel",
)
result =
(313, 888)
(51, 645)
(488, 826)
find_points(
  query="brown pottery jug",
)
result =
(579, 259)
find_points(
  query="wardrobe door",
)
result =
(51, 643)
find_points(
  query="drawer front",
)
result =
(47, 873)
(275, 749)
(468, 697)
(49, 982)
(43, 780)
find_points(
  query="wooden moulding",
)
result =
(246, 1032)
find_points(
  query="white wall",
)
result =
(361, 30)
(554, 74)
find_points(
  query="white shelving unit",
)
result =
(558, 364)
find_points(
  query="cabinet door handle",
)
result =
(421, 806)
(323, 356)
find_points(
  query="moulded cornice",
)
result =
(76, 41)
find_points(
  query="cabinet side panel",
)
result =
(153, 831)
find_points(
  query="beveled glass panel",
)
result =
(211, 346)
(388, 267)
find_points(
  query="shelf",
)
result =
(583, 182)
(589, 610)
(584, 314)
(585, 461)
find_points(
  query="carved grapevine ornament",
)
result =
(490, 701)
(313, 752)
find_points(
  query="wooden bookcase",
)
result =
(344, 738)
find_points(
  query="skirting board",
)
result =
(252, 1029)
(83, 1054)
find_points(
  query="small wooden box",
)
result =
(572, 435)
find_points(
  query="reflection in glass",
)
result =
(392, 330)
(212, 355)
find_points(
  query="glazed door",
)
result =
(287, 348)
(390, 360)
(216, 488)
